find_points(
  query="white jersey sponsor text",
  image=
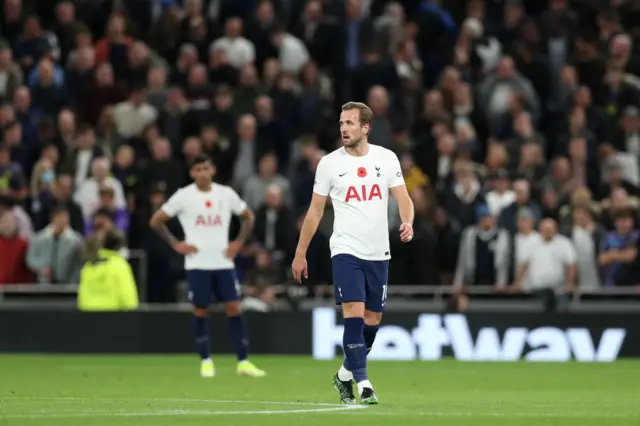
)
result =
(205, 218)
(359, 191)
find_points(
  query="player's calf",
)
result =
(371, 326)
(238, 333)
(355, 349)
(237, 329)
(201, 330)
(200, 322)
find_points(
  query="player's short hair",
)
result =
(200, 159)
(366, 115)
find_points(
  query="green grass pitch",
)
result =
(167, 390)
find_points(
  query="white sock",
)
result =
(344, 374)
(364, 384)
(206, 360)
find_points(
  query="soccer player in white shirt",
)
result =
(204, 210)
(358, 177)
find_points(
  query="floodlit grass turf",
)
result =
(166, 390)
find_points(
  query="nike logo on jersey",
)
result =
(342, 174)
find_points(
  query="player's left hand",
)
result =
(406, 232)
(233, 249)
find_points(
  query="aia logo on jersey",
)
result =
(363, 193)
(208, 220)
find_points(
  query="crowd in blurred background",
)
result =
(504, 113)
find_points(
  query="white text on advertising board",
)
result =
(435, 332)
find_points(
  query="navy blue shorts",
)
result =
(357, 280)
(203, 284)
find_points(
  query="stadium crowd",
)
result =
(509, 117)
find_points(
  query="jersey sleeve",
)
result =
(395, 172)
(238, 205)
(322, 183)
(175, 204)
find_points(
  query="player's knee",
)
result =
(353, 310)
(200, 312)
(372, 318)
(232, 309)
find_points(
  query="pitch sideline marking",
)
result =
(500, 415)
(187, 400)
(328, 407)
(103, 413)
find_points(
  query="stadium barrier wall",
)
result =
(404, 336)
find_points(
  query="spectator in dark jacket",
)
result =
(509, 216)
(48, 96)
(273, 223)
(463, 197)
(61, 198)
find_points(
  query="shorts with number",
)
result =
(357, 280)
(203, 285)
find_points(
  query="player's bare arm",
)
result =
(309, 228)
(247, 220)
(158, 223)
(405, 206)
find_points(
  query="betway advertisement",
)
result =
(485, 337)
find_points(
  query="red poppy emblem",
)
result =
(362, 172)
(208, 204)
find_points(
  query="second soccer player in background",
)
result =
(358, 177)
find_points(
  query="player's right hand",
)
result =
(299, 269)
(184, 248)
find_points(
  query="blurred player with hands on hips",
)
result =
(358, 177)
(204, 210)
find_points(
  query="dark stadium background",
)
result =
(527, 110)
(502, 112)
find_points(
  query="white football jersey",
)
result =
(359, 191)
(205, 218)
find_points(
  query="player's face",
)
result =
(351, 130)
(202, 173)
